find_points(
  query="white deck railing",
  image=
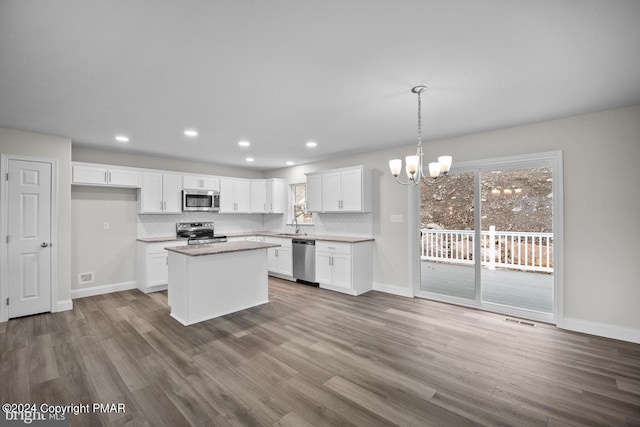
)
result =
(499, 249)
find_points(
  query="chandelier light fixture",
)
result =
(413, 164)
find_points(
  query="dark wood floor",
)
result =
(315, 357)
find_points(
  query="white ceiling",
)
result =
(281, 72)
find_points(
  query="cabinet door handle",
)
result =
(109, 177)
(105, 177)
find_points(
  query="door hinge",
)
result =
(7, 176)
(7, 301)
(8, 238)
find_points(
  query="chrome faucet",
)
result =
(295, 221)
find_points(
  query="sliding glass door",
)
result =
(487, 236)
(447, 231)
(517, 238)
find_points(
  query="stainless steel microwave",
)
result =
(200, 201)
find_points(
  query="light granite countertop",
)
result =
(220, 248)
(328, 238)
(161, 239)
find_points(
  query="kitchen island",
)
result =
(208, 281)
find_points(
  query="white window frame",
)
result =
(291, 207)
(554, 158)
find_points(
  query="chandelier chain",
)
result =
(419, 118)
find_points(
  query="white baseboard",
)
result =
(282, 276)
(602, 329)
(65, 305)
(393, 289)
(103, 289)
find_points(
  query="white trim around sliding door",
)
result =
(554, 159)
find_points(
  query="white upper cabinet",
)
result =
(340, 190)
(235, 196)
(276, 196)
(331, 191)
(195, 182)
(258, 196)
(268, 196)
(160, 193)
(103, 175)
(314, 193)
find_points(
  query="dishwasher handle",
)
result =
(303, 242)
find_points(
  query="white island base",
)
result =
(207, 286)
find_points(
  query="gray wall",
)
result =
(110, 254)
(39, 145)
(601, 204)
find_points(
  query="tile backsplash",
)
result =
(337, 224)
(165, 225)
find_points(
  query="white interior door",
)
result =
(29, 243)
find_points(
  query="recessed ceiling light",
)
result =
(249, 159)
(122, 138)
(311, 144)
(191, 132)
(290, 163)
(244, 143)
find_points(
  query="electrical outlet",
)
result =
(396, 218)
(105, 226)
(85, 278)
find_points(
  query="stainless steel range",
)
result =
(198, 233)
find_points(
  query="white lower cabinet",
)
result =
(153, 270)
(345, 267)
(279, 260)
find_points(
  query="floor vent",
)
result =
(85, 278)
(521, 322)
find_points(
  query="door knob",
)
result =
(44, 245)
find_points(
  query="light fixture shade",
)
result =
(396, 166)
(410, 174)
(434, 169)
(445, 163)
(412, 164)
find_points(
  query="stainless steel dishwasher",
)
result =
(304, 259)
